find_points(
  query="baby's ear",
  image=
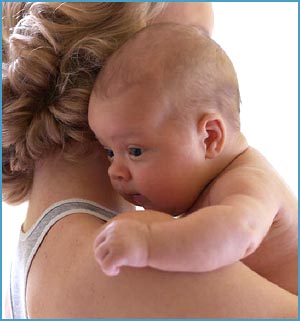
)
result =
(212, 129)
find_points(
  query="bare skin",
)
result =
(65, 272)
(77, 288)
(198, 235)
(236, 206)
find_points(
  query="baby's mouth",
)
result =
(137, 199)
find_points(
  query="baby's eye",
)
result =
(135, 152)
(109, 153)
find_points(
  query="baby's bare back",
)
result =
(276, 257)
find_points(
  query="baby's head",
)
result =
(180, 61)
(161, 107)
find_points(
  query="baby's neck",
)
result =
(236, 146)
(232, 151)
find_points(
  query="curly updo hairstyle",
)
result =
(52, 53)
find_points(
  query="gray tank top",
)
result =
(30, 242)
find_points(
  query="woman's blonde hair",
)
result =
(52, 53)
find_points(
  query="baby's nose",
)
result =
(118, 171)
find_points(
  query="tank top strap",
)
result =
(30, 241)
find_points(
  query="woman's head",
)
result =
(51, 55)
(196, 14)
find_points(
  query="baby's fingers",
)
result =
(101, 237)
(101, 251)
(111, 264)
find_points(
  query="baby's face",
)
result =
(155, 162)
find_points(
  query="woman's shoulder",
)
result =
(66, 282)
(62, 267)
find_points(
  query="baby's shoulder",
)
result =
(250, 173)
(251, 167)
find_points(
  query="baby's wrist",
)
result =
(148, 242)
(152, 243)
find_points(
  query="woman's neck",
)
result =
(57, 179)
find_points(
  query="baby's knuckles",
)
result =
(131, 230)
(129, 238)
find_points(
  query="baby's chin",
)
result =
(141, 201)
(170, 211)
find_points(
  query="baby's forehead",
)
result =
(135, 80)
(151, 53)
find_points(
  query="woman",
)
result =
(51, 158)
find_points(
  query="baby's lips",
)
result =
(138, 199)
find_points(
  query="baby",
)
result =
(166, 110)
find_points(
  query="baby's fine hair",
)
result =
(52, 53)
(184, 61)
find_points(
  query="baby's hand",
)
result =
(122, 242)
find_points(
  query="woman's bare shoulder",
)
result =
(65, 272)
(66, 282)
(61, 267)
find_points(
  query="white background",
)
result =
(262, 41)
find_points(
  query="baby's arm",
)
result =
(244, 206)
(208, 238)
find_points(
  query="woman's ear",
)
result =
(213, 134)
